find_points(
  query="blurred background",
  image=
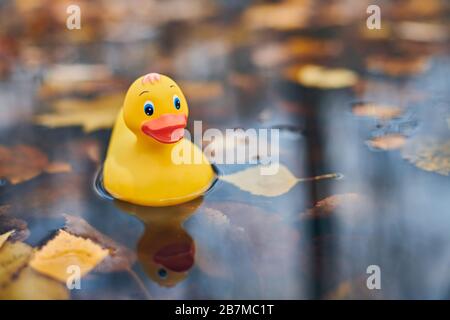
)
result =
(370, 105)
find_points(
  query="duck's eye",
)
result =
(149, 108)
(176, 102)
(162, 273)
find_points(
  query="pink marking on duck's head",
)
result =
(151, 78)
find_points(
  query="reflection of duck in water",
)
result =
(166, 250)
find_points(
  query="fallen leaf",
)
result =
(322, 77)
(397, 66)
(4, 237)
(21, 163)
(120, 258)
(428, 153)
(271, 185)
(66, 250)
(13, 257)
(30, 285)
(329, 205)
(387, 142)
(378, 111)
(94, 114)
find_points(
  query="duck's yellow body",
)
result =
(141, 165)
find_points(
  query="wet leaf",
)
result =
(324, 78)
(30, 285)
(120, 258)
(4, 237)
(95, 114)
(329, 205)
(271, 185)
(66, 250)
(21, 163)
(387, 142)
(378, 111)
(397, 66)
(428, 153)
(13, 257)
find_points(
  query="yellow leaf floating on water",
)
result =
(66, 250)
(271, 185)
(4, 237)
(13, 257)
(326, 78)
(30, 285)
(429, 154)
(92, 115)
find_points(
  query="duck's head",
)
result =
(155, 108)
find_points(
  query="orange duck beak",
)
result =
(168, 128)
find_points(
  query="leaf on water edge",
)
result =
(251, 180)
(323, 78)
(66, 250)
(31, 285)
(13, 257)
(120, 258)
(377, 111)
(387, 142)
(98, 113)
(428, 153)
(4, 237)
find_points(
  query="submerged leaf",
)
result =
(13, 257)
(429, 154)
(120, 258)
(30, 285)
(397, 66)
(66, 250)
(99, 113)
(329, 205)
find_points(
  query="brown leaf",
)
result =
(13, 257)
(21, 163)
(321, 77)
(387, 142)
(120, 258)
(328, 206)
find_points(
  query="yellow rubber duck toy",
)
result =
(141, 165)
